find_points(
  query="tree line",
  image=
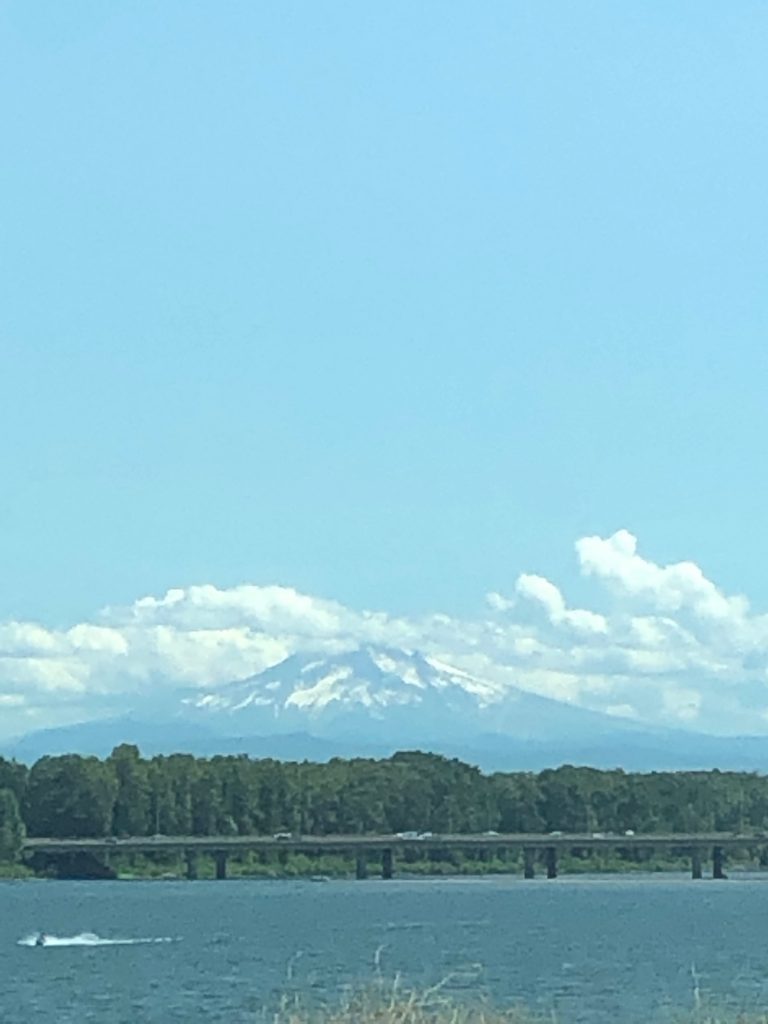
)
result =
(129, 795)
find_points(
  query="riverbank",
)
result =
(12, 871)
(298, 865)
(285, 864)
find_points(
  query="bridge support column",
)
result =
(221, 866)
(191, 865)
(696, 863)
(387, 864)
(361, 866)
(718, 863)
(529, 862)
(551, 862)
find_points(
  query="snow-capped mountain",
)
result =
(383, 694)
(374, 701)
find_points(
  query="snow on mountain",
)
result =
(374, 701)
(382, 693)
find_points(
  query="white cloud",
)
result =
(667, 645)
(537, 588)
(667, 588)
(97, 638)
(620, 711)
(277, 609)
(43, 675)
(25, 639)
(499, 603)
(208, 656)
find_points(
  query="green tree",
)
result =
(12, 831)
(70, 796)
(173, 783)
(181, 795)
(130, 815)
(13, 776)
(519, 803)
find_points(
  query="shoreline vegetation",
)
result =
(126, 794)
(169, 867)
(408, 1012)
(392, 1004)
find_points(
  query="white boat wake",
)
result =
(84, 939)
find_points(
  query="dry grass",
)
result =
(415, 1008)
(720, 1017)
(391, 1003)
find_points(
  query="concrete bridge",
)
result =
(535, 848)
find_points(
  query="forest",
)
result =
(129, 795)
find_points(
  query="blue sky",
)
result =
(385, 302)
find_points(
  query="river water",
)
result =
(591, 950)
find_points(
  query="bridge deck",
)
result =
(362, 844)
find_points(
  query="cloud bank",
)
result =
(666, 647)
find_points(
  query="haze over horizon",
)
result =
(327, 324)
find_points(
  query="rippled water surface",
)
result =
(594, 950)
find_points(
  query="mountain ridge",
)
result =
(400, 693)
(642, 752)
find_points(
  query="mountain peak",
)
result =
(383, 693)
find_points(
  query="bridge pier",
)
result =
(221, 866)
(696, 863)
(529, 862)
(361, 866)
(551, 859)
(191, 865)
(718, 863)
(387, 864)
